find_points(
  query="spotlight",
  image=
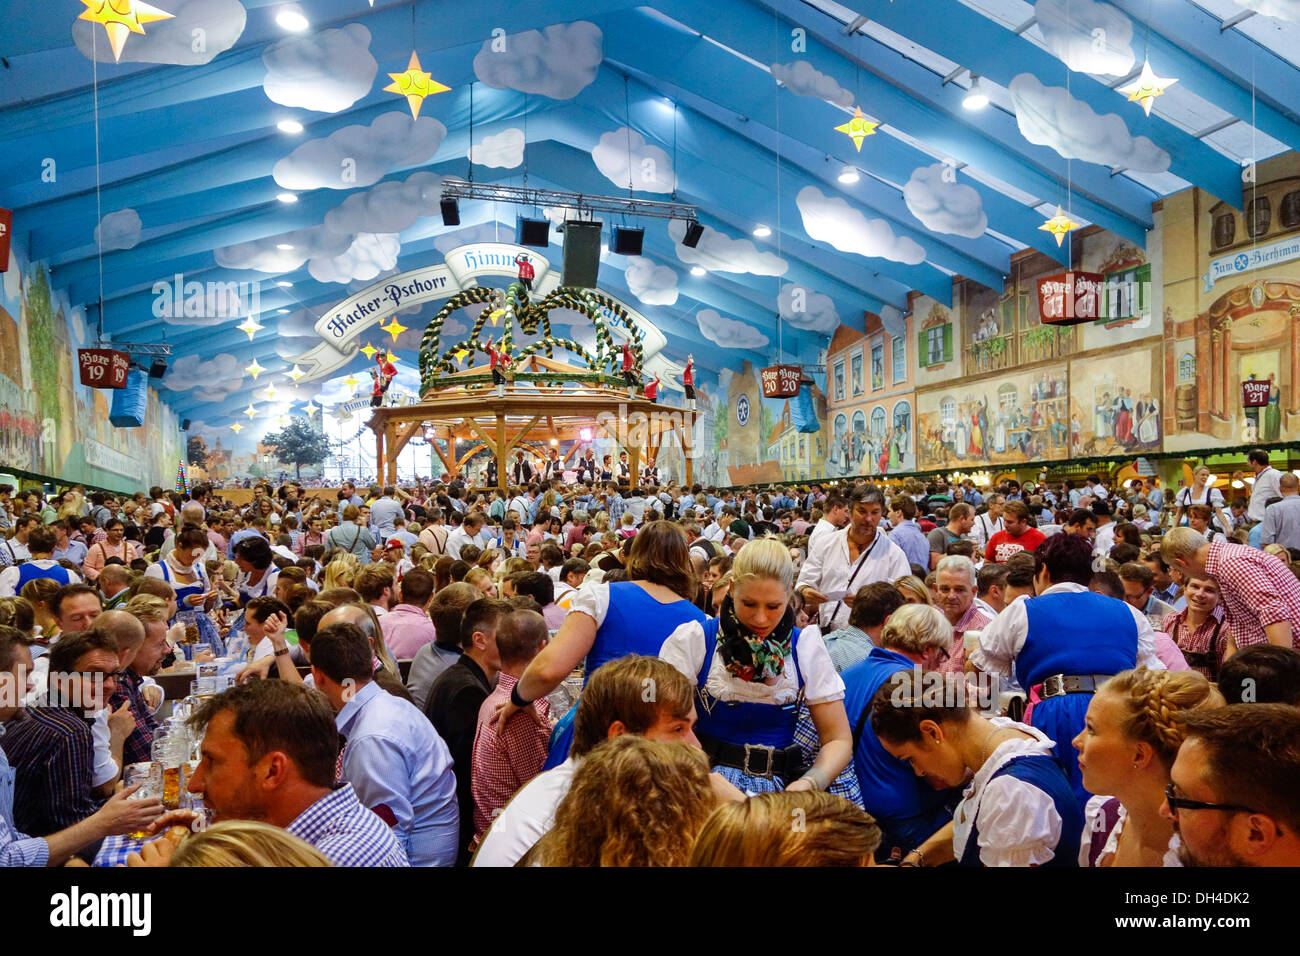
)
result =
(628, 242)
(693, 233)
(762, 232)
(159, 368)
(287, 198)
(284, 246)
(285, 284)
(849, 175)
(292, 20)
(699, 271)
(450, 212)
(975, 98)
(289, 126)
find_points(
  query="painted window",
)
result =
(878, 423)
(898, 355)
(839, 381)
(1128, 293)
(948, 411)
(936, 345)
(1007, 398)
(878, 366)
(855, 374)
(1187, 367)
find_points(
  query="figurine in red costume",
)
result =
(497, 361)
(652, 389)
(688, 381)
(526, 272)
(629, 368)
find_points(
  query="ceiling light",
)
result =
(849, 175)
(284, 246)
(287, 197)
(762, 232)
(281, 311)
(975, 98)
(285, 284)
(292, 20)
(289, 126)
(698, 271)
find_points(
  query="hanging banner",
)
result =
(1273, 254)
(1254, 394)
(6, 230)
(1070, 298)
(103, 368)
(781, 381)
(341, 327)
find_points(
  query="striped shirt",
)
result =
(346, 832)
(53, 751)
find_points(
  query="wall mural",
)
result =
(52, 425)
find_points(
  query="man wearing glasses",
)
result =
(1234, 785)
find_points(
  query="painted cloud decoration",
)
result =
(263, 255)
(729, 333)
(326, 71)
(1278, 9)
(211, 380)
(1086, 36)
(1050, 116)
(388, 207)
(505, 150)
(652, 284)
(803, 79)
(629, 162)
(893, 319)
(197, 32)
(805, 309)
(367, 256)
(942, 206)
(718, 252)
(361, 155)
(831, 219)
(118, 230)
(559, 62)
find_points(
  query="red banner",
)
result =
(1255, 394)
(103, 368)
(1070, 298)
(6, 228)
(781, 381)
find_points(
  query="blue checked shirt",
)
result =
(805, 735)
(346, 832)
(16, 849)
(617, 505)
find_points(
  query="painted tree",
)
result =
(300, 443)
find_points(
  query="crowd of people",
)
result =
(618, 671)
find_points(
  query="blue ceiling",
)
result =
(191, 148)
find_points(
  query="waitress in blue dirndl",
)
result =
(183, 570)
(753, 669)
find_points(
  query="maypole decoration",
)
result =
(182, 479)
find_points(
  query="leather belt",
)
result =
(1060, 684)
(758, 760)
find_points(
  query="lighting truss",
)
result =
(136, 348)
(579, 203)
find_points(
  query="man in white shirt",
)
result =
(835, 515)
(1104, 537)
(1266, 486)
(849, 559)
(989, 523)
(467, 533)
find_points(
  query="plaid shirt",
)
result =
(1258, 590)
(976, 618)
(617, 505)
(53, 753)
(805, 735)
(502, 763)
(346, 832)
(138, 746)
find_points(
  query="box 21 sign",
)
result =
(103, 368)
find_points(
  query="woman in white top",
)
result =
(1018, 808)
(1201, 492)
(752, 669)
(1126, 748)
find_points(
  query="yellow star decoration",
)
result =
(310, 408)
(120, 17)
(369, 351)
(414, 84)
(250, 411)
(270, 393)
(394, 328)
(254, 370)
(392, 358)
(459, 355)
(250, 327)
(858, 128)
(236, 428)
(1146, 87)
(1059, 225)
(295, 373)
(351, 382)
(495, 315)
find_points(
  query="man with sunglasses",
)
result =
(1234, 785)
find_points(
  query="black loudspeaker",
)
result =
(450, 212)
(627, 242)
(581, 253)
(185, 425)
(159, 368)
(693, 233)
(533, 232)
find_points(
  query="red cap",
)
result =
(395, 543)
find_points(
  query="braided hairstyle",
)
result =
(1156, 701)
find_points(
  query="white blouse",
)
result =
(1018, 823)
(1094, 820)
(684, 649)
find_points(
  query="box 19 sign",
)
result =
(781, 381)
(1255, 394)
(103, 368)
(1070, 298)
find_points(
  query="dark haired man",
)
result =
(40, 544)
(871, 609)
